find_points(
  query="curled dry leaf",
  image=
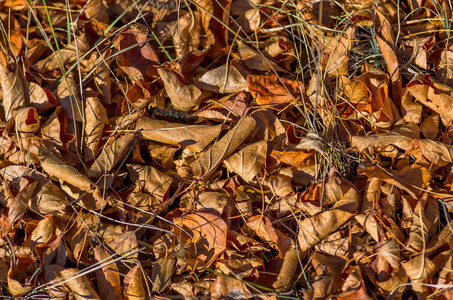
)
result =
(254, 60)
(69, 99)
(183, 97)
(55, 128)
(206, 234)
(150, 180)
(334, 58)
(413, 179)
(40, 98)
(274, 90)
(136, 54)
(56, 168)
(27, 120)
(312, 230)
(79, 286)
(262, 227)
(248, 161)
(194, 137)
(227, 287)
(214, 156)
(65, 56)
(434, 95)
(13, 91)
(401, 138)
(111, 155)
(133, 285)
(96, 117)
(224, 80)
(108, 276)
(186, 33)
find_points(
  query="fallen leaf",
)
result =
(214, 156)
(194, 137)
(224, 79)
(248, 161)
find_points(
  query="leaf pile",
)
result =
(226, 149)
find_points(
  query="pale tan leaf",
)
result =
(109, 283)
(150, 180)
(208, 236)
(434, 95)
(183, 97)
(224, 79)
(119, 240)
(27, 120)
(111, 155)
(80, 287)
(248, 161)
(262, 227)
(96, 117)
(134, 285)
(226, 287)
(13, 91)
(43, 231)
(67, 55)
(312, 230)
(215, 155)
(194, 137)
(420, 269)
(67, 95)
(162, 272)
(55, 167)
(255, 60)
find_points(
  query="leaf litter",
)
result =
(226, 150)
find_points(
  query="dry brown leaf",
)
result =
(80, 287)
(335, 56)
(413, 179)
(133, 285)
(312, 230)
(226, 287)
(186, 33)
(56, 168)
(139, 55)
(183, 97)
(262, 227)
(66, 56)
(13, 91)
(434, 95)
(386, 41)
(401, 138)
(96, 117)
(27, 120)
(194, 137)
(108, 278)
(224, 80)
(274, 90)
(217, 32)
(55, 128)
(111, 155)
(207, 238)
(67, 95)
(411, 110)
(120, 240)
(150, 180)
(430, 126)
(257, 61)
(214, 156)
(163, 270)
(48, 198)
(248, 161)
(420, 269)
(43, 231)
